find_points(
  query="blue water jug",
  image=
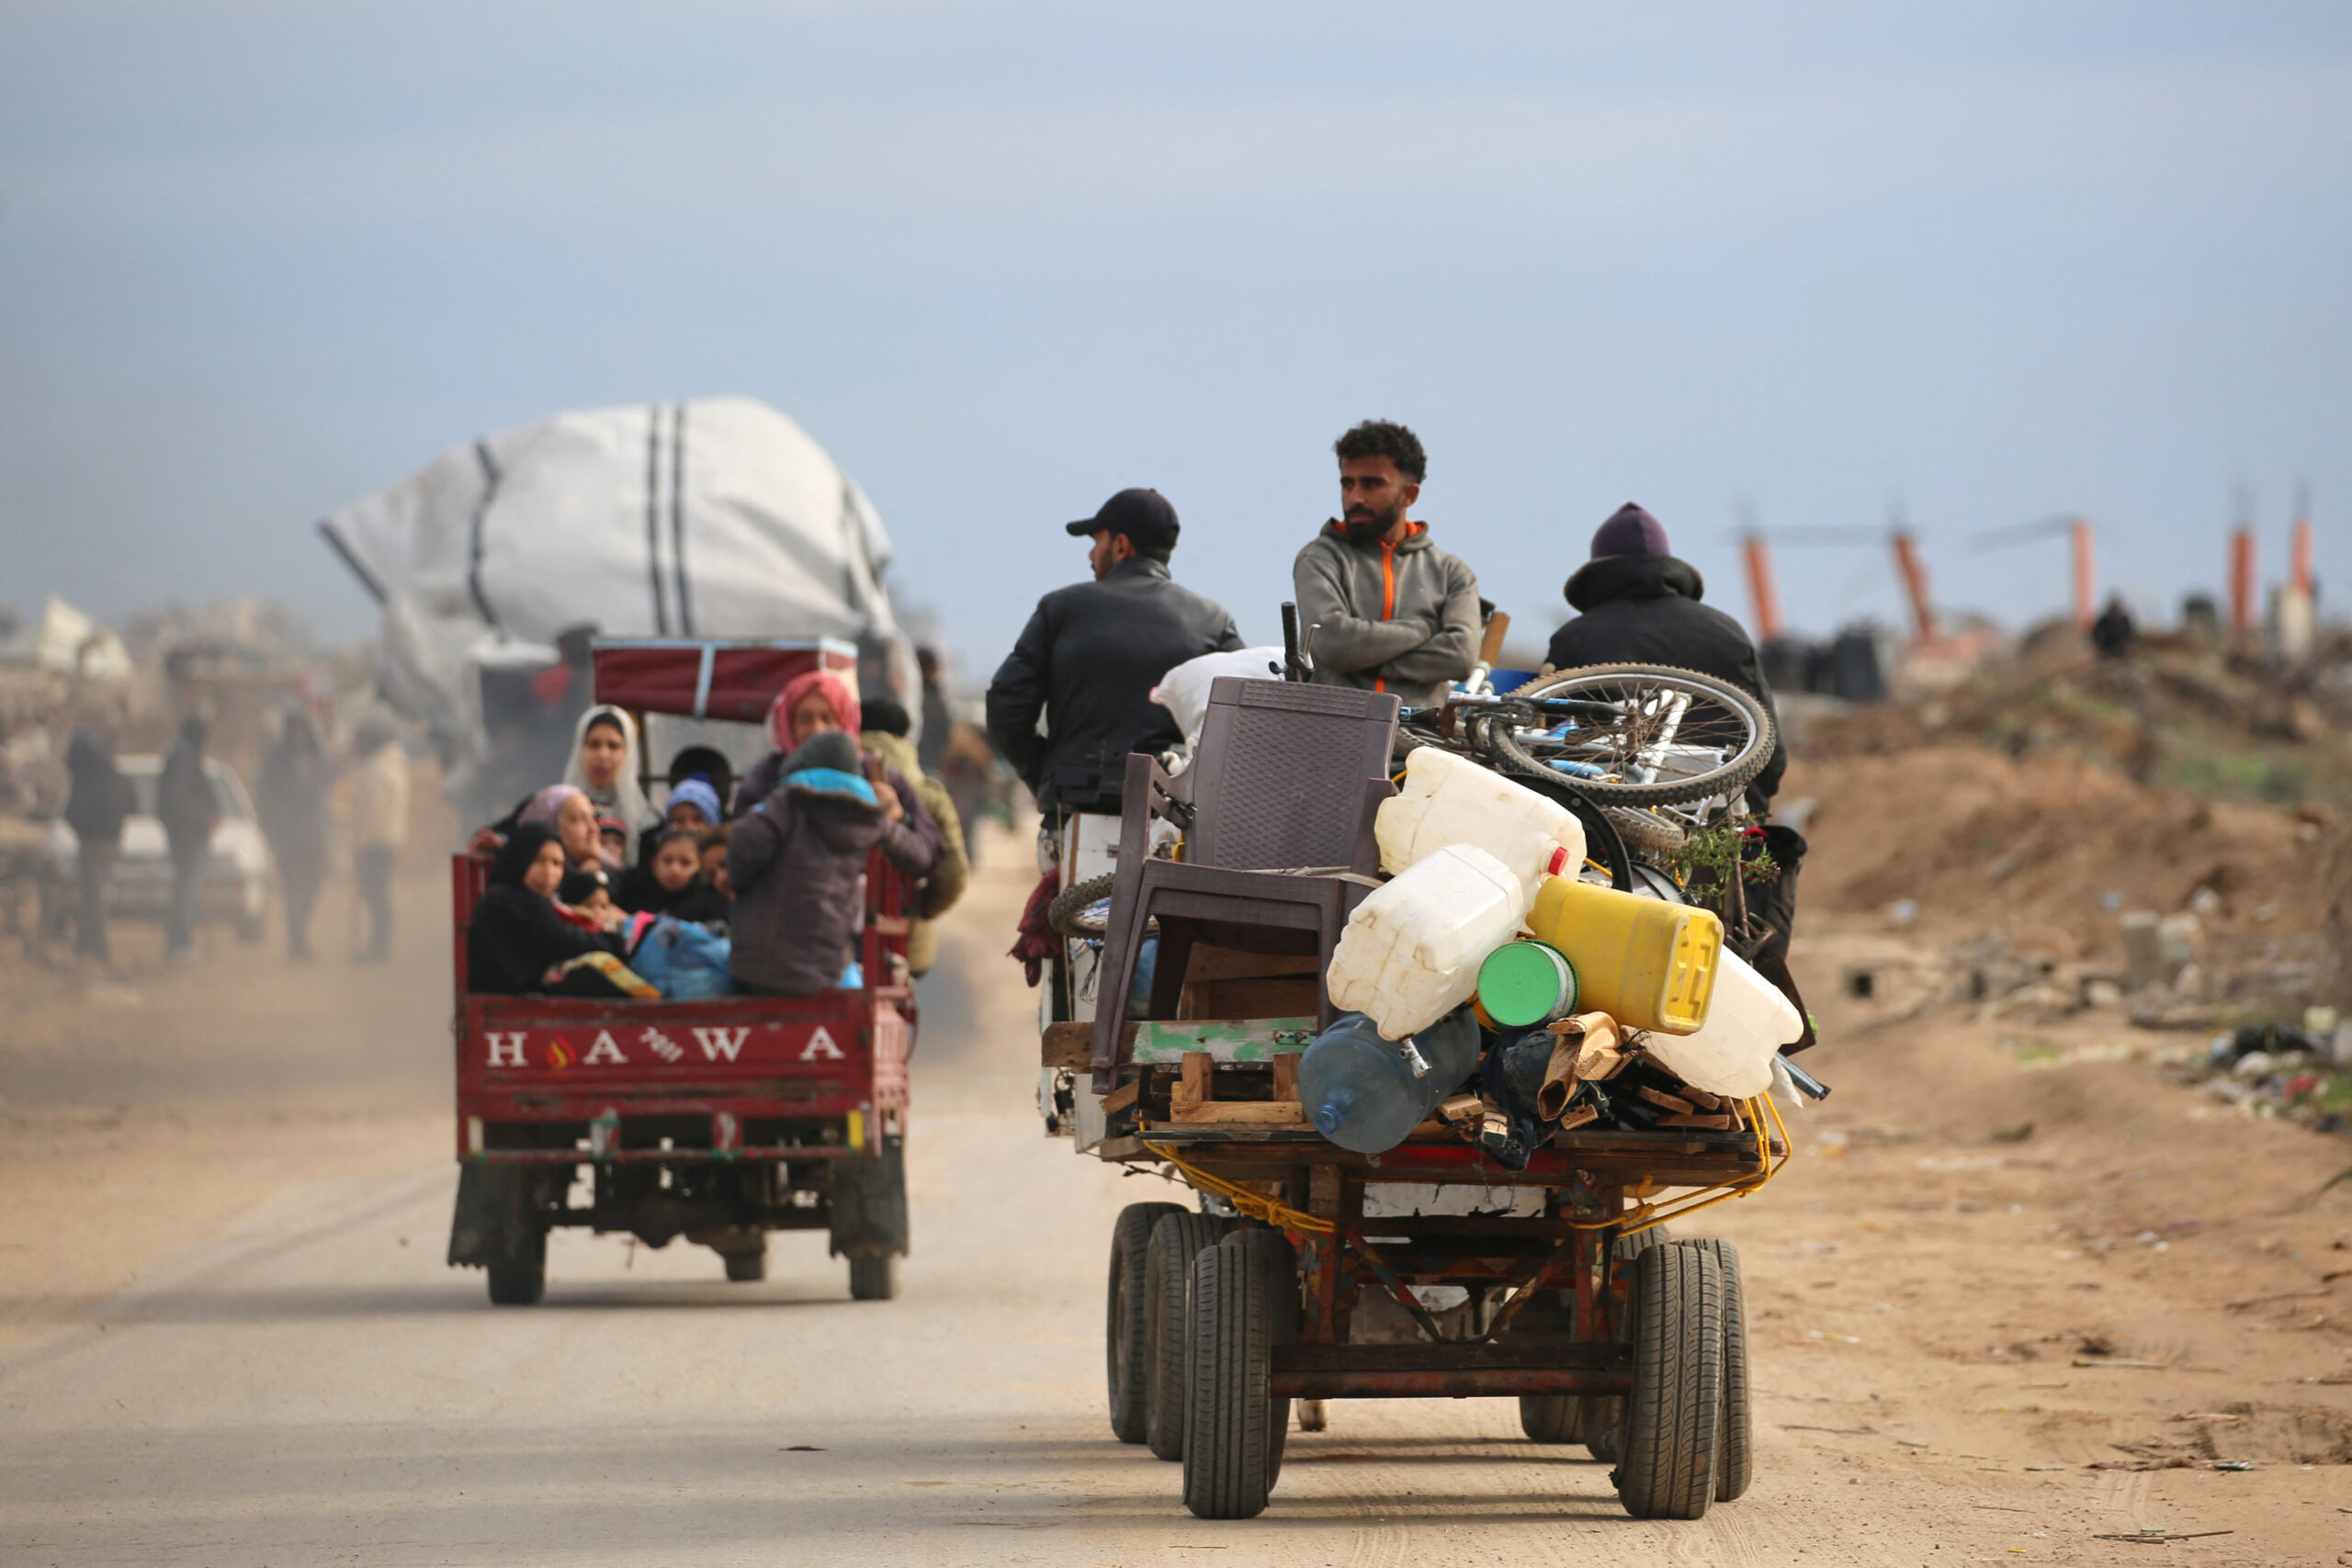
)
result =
(1365, 1093)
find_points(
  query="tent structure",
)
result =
(718, 517)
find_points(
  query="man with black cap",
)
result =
(1091, 654)
(1640, 605)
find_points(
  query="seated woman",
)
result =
(820, 703)
(673, 884)
(561, 809)
(798, 861)
(518, 935)
(604, 767)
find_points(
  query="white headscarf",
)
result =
(625, 799)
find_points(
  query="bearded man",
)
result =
(1390, 610)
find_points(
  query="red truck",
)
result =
(717, 1119)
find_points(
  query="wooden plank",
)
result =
(1194, 1087)
(1228, 964)
(1286, 1077)
(1237, 1112)
(1065, 1046)
(1119, 1099)
(1166, 1041)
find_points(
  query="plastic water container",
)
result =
(1645, 961)
(1523, 984)
(1447, 799)
(1733, 1052)
(1366, 1093)
(1411, 950)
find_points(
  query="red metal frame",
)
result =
(834, 1057)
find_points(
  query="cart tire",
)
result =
(1555, 1417)
(1126, 1337)
(1604, 1419)
(519, 1284)
(1667, 1469)
(1281, 1259)
(1176, 1240)
(873, 1276)
(1228, 1369)
(747, 1267)
(1736, 1449)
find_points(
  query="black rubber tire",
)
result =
(1604, 1422)
(1228, 1369)
(873, 1276)
(1126, 1337)
(1555, 1417)
(1674, 1415)
(747, 1267)
(1646, 832)
(1736, 1449)
(519, 1284)
(1281, 1259)
(1176, 1240)
(1729, 779)
(1065, 914)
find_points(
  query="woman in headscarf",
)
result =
(604, 765)
(566, 812)
(518, 935)
(819, 703)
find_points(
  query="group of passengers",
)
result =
(589, 884)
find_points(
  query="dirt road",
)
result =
(1949, 1329)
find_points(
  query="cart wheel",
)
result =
(1176, 1240)
(1605, 1420)
(1126, 1339)
(1667, 1468)
(1276, 1252)
(1555, 1417)
(521, 1282)
(746, 1267)
(873, 1276)
(1736, 1453)
(1229, 1334)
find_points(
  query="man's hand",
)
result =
(884, 796)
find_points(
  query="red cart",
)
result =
(717, 1119)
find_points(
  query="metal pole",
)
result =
(2085, 589)
(2241, 580)
(1914, 587)
(1759, 588)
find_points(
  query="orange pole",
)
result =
(2085, 589)
(1759, 588)
(1914, 587)
(2299, 572)
(2241, 580)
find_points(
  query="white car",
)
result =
(236, 874)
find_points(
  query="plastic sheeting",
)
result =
(716, 517)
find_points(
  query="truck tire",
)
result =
(873, 1276)
(1280, 1261)
(1667, 1469)
(1127, 1336)
(1176, 1240)
(1229, 1367)
(746, 1267)
(869, 1202)
(1605, 1418)
(1735, 1450)
(1554, 1418)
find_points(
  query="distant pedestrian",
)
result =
(189, 808)
(378, 828)
(291, 798)
(2114, 632)
(938, 720)
(97, 798)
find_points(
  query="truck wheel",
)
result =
(1736, 1453)
(1229, 1335)
(1176, 1240)
(1126, 1339)
(1280, 1261)
(522, 1279)
(1605, 1420)
(873, 1276)
(1554, 1418)
(1673, 1413)
(748, 1266)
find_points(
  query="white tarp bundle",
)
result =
(717, 517)
(64, 641)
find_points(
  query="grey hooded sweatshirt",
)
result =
(1401, 618)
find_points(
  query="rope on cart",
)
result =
(1257, 1205)
(1646, 1216)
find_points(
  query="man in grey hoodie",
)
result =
(1391, 612)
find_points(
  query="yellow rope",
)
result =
(1644, 1215)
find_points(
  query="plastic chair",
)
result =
(1277, 809)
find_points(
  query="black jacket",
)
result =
(183, 796)
(1646, 610)
(516, 936)
(1087, 661)
(98, 796)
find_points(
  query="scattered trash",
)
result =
(2166, 1535)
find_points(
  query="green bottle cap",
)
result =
(1523, 984)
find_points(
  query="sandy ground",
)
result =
(232, 1339)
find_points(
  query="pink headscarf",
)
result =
(545, 806)
(838, 696)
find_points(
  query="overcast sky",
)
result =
(1989, 260)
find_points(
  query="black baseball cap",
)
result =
(1143, 515)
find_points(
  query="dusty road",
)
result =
(1950, 1330)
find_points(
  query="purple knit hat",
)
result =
(1630, 531)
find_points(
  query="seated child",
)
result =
(796, 860)
(673, 883)
(713, 843)
(694, 806)
(585, 898)
(517, 934)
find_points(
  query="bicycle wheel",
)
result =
(1641, 734)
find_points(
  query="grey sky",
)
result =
(1993, 260)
